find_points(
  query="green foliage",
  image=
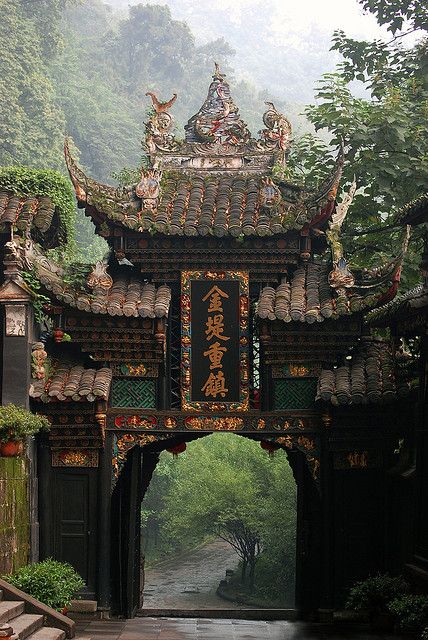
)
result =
(394, 13)
(411, 611)
(43, 182)
(51, 582)
(39, 299)
(221, 484)
(384, 134)
(424, 635)
(76, 274)
(32, 124)
(374, 593)
(309, 163)
(17, 423)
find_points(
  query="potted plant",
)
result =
(373, 596)
(16, 423)
(410, 612)
(51, 582)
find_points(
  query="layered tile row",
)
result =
(308, 297)
(371, 376)
(73, 383)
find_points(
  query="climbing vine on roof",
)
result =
(44, 182)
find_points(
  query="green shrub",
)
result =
(51, 582)
(424, 634)
(411, 612)
(16, 423)
(374, 593)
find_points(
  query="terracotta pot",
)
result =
(11, 449)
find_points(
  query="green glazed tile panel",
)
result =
(295, 393)
(140, 394)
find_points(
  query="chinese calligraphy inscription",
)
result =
(214, 341)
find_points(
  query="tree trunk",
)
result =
(244, 571)
(251, 573)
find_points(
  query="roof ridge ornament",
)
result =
(218, 119)
(277, 135)
(159, 136)
(216, 137)
(161, 107)
(340, 275)
(148, 189)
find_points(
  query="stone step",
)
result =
(26, 624)
(10, 609)
(48, 633)
(83, 606)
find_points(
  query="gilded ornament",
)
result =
(357, 459)
(306, 443)
(74, 458)
(298, 370)
(214, 424)
(286, 441)
(315, 466)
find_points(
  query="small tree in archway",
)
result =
(245, 539)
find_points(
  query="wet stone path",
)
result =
(209, 629)
(191, 580)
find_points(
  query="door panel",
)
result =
(75, 522)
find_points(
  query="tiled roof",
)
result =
(128, 296)
(219, 205)
(73, 383)
(372, 376)
(411, 301)
(308, 297)
(30, 212)
(415, 212)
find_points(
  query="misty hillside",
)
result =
(288, 65)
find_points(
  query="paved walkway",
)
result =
(191, 580)
(209, 629)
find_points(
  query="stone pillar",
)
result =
(104, 525)
(17, 337)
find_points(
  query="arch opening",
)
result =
(260, 476)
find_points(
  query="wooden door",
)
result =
(75, 519)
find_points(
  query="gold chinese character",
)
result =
(215, 294)
(215, 328)
(215, 353)
(215, 385)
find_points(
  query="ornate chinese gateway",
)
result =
(226, 304)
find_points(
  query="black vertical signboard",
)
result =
(215, 366)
